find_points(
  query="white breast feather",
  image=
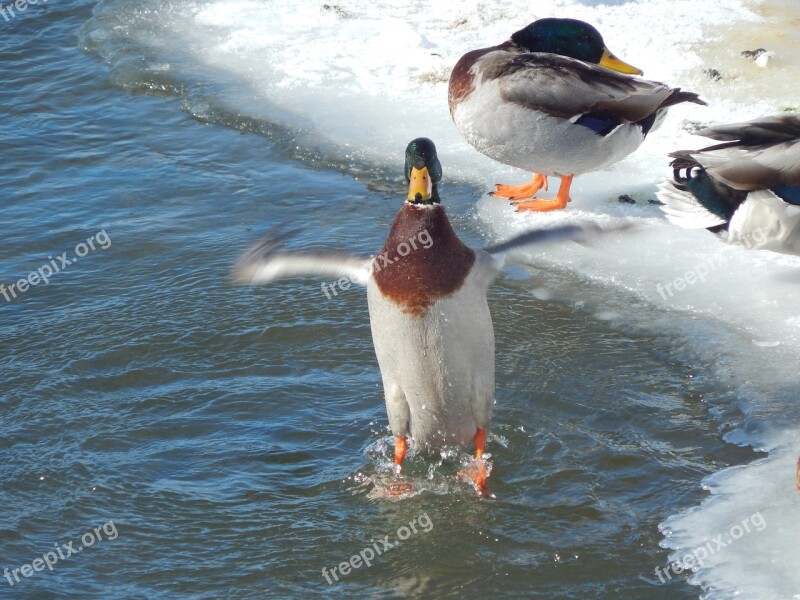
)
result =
(438, 368)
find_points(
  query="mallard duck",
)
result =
(747, 188)
(431, 326)
(555, 101)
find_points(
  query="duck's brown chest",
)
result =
(422, 260)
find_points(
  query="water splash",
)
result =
(444, 471)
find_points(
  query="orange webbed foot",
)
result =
(477, 473)
(526, 190)
(542, 205)
(478, 470)
(399, 488)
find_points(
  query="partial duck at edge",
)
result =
(746, 188)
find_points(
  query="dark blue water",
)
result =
(225, 441)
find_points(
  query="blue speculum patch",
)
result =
(788, 193)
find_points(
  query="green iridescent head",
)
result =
(572, 38)
(423, 172)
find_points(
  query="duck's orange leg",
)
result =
(480, 474)
(526, 190)
(400, 449)
(560, 201)
(480, 442)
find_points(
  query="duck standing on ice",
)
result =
(430, 320)
(553, 100)
(746, 188)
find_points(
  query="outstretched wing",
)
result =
(262, 263)
(581, 233)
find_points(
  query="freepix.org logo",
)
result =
(61, 552)
(12, 9)
(377, 547)
(696, 557)
(43, 274)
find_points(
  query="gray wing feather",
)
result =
(582, 233)
(263, 263)
(760, 154)
(767, 130)
(565, 87)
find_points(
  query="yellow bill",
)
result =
(609, 61)
(420, 186)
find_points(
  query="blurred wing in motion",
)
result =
(582, 233)
(262, 263)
